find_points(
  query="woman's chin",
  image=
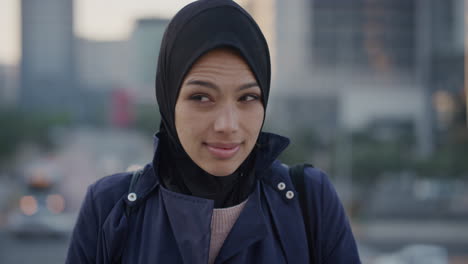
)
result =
(220, 171)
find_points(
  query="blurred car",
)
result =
(40, 210)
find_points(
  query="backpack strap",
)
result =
(297, 176)
(128, 209)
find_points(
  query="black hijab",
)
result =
(196, 29)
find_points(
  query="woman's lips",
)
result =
(223, 150)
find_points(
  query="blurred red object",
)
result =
(121, 109)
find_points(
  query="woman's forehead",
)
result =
(221, 63)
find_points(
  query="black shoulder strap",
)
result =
(134, 180)
(297, 176)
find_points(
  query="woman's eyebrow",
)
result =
(203, 83)
(248, 85)
(214, 86)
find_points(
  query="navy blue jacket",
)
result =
(169, 227)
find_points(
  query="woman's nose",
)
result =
(227, 120)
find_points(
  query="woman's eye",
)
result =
(200, 98)
(249, 97)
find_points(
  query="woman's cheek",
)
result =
(256, 117)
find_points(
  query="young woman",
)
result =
(214, 191)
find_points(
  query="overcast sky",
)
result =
(95, 19)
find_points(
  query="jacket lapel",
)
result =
(190, 220)
(249, 228)
(114, 231)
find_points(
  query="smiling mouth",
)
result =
(222, 151)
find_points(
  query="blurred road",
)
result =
(82, 156)
(14, 250)
(391, 234)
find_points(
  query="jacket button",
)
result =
(289, 195)
(132, 197)
(281, 186)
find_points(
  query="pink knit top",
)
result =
(222, 221)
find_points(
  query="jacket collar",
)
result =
(269, 145)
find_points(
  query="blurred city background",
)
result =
(372, 91)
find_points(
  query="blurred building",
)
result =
(145, 44)
(129, 64)
(264, 14)
(3, 87)
(8, 85)
(446, 76)
(365, 60)
(103, 65)
(121, 71)
(360, 52)
(47, 62)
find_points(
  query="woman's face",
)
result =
(219, 113)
